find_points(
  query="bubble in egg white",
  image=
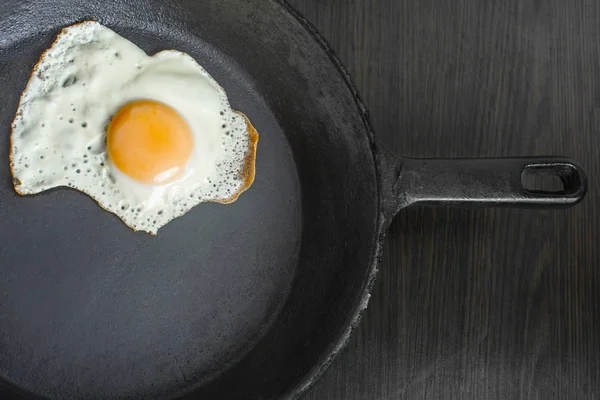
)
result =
(79, 83)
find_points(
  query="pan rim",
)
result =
(357, 312)
(376, 243)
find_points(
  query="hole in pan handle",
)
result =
(485, 182)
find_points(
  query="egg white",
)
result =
(58, 136)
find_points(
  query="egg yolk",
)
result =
(149, 142)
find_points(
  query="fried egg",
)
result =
(147, 137)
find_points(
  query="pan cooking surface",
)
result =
(90, 309)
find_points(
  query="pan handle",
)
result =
(484, 182)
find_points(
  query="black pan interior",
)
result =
(244, 301)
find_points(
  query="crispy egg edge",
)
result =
(248, 172)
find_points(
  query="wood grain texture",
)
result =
(477, 304)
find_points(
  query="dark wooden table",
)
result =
(477, 304)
